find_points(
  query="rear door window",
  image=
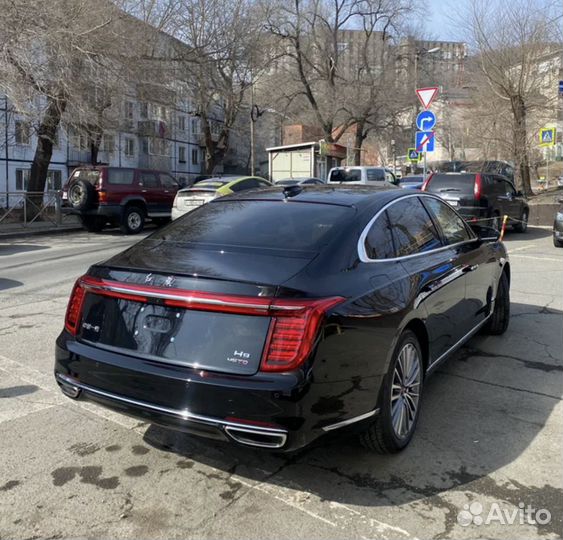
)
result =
(375, 175)
(453, 227)
(122, 177)
(148, 180)
(168, 182)
(412, 228)
(86, 174)
(379, 241)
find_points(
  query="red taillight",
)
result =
(292, 335)
(102, 195)
(478, 187)
(293, 330)
(74, 308)
(426, 182)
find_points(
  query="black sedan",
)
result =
(269, 318)
(558, 227)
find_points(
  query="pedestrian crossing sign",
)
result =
(413, 155)
(547, 137)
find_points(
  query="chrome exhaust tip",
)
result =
(256, 437)
(67, 388)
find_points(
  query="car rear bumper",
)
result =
(278, 411)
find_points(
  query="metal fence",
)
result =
(21, 208)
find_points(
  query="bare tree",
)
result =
(510, 39)
(337, 55)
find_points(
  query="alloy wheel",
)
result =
(405, 390)
(134, 221)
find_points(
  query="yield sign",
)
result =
(427, 95)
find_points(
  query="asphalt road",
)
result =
(490, 433)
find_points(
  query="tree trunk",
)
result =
(95, 143)
(521, 157)
(358, 142)
(39, 167)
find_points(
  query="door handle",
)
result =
(469, 268)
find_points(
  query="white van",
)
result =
(360, 175)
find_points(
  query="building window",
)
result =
(182, 154)
(22, 179)
(129, 110)
(23, 132)
(129, 147)
(195, 156)
(56, 139)
(195, 126)
(215, 128)
(108, 143)
(181, 123)
(54, 180)
(144, 109)
(145, 146)
(342, 46)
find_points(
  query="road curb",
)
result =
(39, 232)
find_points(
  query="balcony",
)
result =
(77, 157)
(153, 128)
(161, 163)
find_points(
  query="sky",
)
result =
(437, 21)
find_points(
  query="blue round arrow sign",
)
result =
(425, 120)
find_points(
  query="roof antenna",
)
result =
(292, 191)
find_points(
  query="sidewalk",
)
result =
(17, 230)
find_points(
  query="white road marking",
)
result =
(539, 258)
(510, 251)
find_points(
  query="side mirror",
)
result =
(486, 234)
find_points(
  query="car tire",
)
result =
(81, 195)
(132, 220)
(557, 243)
(522, 225)
(400, 395)
(499, 319)
(92, 223)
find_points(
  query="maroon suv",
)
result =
(119, 196)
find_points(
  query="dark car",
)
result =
(119, 196)
(502, 168)
(482, 198)
(302, 180)
(558, 227)
(414, 181)
(272, 317)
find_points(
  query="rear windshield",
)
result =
(211, 184)
(86, 174)
(346, 175)
(260, 224)
(452, 182)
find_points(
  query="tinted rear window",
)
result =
(343, 175)
(260, 224)
(215, 184)
(452, 182)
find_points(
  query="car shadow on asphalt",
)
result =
(13, 249)
(532, 233)
(6, 284)
(481, 411)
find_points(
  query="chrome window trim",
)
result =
(362, 254)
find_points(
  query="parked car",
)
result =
(268, 318)
(558, 227)
(498, 167)
(302, 180)
(360, 175)
(414, 181)
(119, 196)
(481, 197)
(206, 190)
